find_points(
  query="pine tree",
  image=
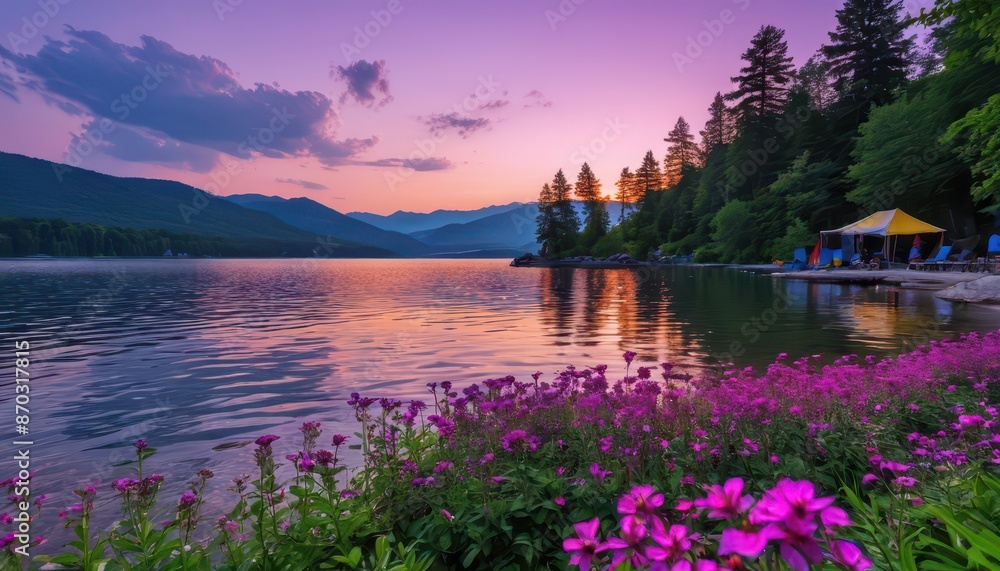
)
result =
(596, 220)
(626, 195)
(762, 86)
(682, 152)
(869, 55)
(719, 128)
(648, 176)
(813, 78)
(567, 225)
(546, 219)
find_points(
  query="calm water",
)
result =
(200, 356)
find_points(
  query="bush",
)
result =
(500, 474)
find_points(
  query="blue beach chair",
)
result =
(825, 258)
(993, 252)
(934, 261)
(799, 259)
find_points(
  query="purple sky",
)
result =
(448, 104)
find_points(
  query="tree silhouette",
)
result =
(868, 55)
(762, 86)
(596, 219)
(719, 129)
(682, 152)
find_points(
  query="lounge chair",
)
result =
(965, 257)
(933, 261)
(799, 259)
(993, 252)
(825, 258)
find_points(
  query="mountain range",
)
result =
(35, 188)
(410, 222)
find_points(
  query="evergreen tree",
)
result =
(719, 128)
(762, 92)
(567, 226)
(648, 176)
(682, 152)
(813, 78)
(868, 55)
(762, 86)
(546, 219)
(626, 194)
(596, 219)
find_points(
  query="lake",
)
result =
(201, 356)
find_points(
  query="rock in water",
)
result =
(983, 290)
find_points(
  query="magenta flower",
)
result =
(894, 467)
(338, 440)
(641, 502)
(789, 499)
(834, 517)
(597, 472)
(671, 544)
(306, 463)
(139, 444)
(324, 457)
(187, 500)
(971, 421)
(560, 501)
(629, 356)
(629, 545)
(585, 546)
(605, 443)
(519, 440)
(849, 555)
(747, 543)
(266, 440)
(726, 501)
(447, 515)
(869, 478)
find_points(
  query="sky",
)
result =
(377, 105)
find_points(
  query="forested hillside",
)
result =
(874, 120)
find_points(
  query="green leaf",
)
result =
(470, 557)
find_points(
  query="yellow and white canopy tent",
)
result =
(889, 224)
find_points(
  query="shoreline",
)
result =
(906, 279)
(958, 287)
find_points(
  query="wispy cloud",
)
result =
(417, 164)
(465, 126)
(536, 98)
(303, 183)
(493, 105)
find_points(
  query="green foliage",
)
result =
(869, 54)
(980, 132)
(898, 161)
(610, 244)
(733, 229)
(847, 134)
(56, 237)
(558, 226)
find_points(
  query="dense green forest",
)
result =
(874, 120)
(56, 237)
